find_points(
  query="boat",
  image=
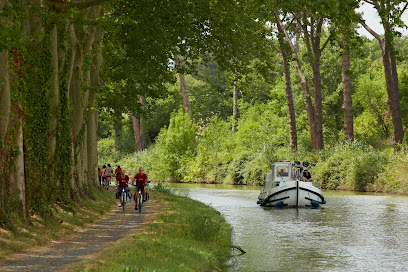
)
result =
(284, 187)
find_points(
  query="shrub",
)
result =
(353, 166)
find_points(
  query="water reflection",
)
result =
(354, 232)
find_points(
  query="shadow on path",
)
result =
(83, 244)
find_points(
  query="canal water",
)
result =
(353, 232)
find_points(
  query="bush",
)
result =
(353, 166)
(173, 146)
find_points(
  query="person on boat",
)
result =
(306, 175)
(282, 172)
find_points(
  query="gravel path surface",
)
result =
(84, 244)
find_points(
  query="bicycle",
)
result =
(140, 200)
(124, 198)
(107, 183)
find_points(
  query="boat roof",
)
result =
(296, 163)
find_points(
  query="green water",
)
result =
(353, 232)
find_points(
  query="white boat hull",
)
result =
(292, 194)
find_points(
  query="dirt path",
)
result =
(86, 243)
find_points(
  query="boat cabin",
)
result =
(282, 172)
(285, 171)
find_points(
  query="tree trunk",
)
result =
(54, 93)
(141, 140)
(390, 72)
(312, 43)
(235, 107)
(81, 116)
(92, 121)
(136, 129)
(289, 95)
(5, 95)
(347, 99)
(5, 106)
(304, 84)
(18, 175)
(138, 126)
(77, 112)
(183, 89)
(317, 91)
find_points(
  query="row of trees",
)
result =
(295, 26)
(53, 82)
(51, 58)
(64, 63)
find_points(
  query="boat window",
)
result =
(282, 171)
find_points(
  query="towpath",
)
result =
(85, 244)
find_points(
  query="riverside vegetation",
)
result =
(183, 153)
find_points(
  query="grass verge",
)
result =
(185, 236)
(62, 222)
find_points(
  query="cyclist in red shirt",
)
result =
(122, 182)
(141, 180)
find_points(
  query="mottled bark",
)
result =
(138, 126)
(347, 99)
(312, 43)
(82, 115)
(141, 131)
(5, 97)
(54, 93)
(235, 107)
(183, 89)
(92, 121)
(136, 129)
(76, 96)
(289, 94)
(17, 173)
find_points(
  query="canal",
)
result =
(353, 232)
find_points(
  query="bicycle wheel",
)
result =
(123, 200)
(140, 202)
(107, 183)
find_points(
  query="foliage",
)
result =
(214, 146)
(353, 166)
(173, 146)
(371, 107)
(393, 178)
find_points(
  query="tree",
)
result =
(390, 13)
(288, 88)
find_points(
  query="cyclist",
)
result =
(118, 171)
(108, 173)
(103, 174)
(99, 176)
(122, 182)
(141, 180)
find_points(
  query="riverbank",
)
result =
(185, 236)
